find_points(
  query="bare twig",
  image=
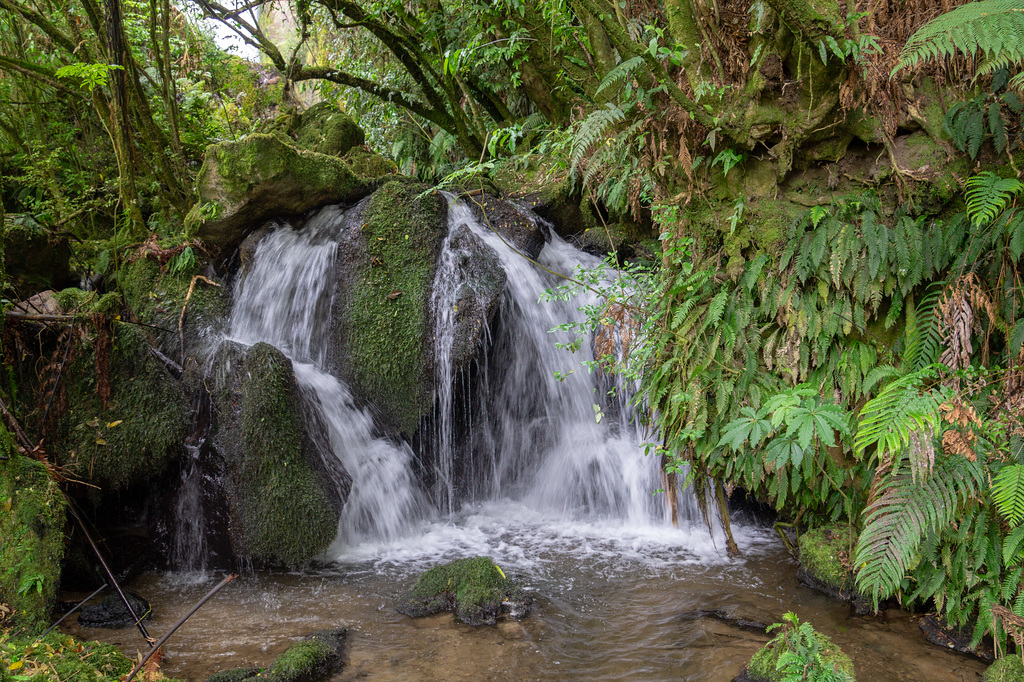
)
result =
(153, 650)
(73, 609)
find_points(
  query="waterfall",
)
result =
(285, 299)
(570, 445)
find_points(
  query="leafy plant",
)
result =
(803, 654)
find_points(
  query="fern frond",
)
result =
(621, 72)
(902, 513)
(995, 28)
(898, 418)
(1008, 493)
(988, 194)
(593, 128)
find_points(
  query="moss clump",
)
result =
(32, 519)
(812, 650)
(388, 323)
(302, 662)
(236, 675)
(326, 129)
(824, 554)
(62, 657)
(369, 164)
(139, 431)
(475, 588)
(283, 515)
(1006, 669)
(157, 298)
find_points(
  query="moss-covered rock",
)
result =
(475, 589)
(315, 658)
(235, 675)
(326, 129)
(280, 510)
(1006, 669)
(369, 164)
(799, 639)
(385, 329)
(139, 431)
(825, 562)
(32, 520)
(244, 183)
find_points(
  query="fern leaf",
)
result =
(992, 27)
(621, 72)
(987, 196)
(1008, 493)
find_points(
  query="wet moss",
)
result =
(32, 519)
(326, 129)
(140, 430)
(236, 675)
(388, 323)
(762, 667)
(475, 588)
(824, 554)
(1006, 669)
(302, 662)
(157, 298)
(285, 514)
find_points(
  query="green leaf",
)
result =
(1008, 493)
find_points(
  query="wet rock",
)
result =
(825, 564)
(939, 633)
(763, 664)
(475, 589)
(244, 183)
(510, 222)
(34, 258)
(313, 659)
(1006, 669)
(236, 675)
(281, 510)
(111, 612)
(43, 303)
(721, 616)
(477, 300)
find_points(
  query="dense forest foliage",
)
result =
(830, 314)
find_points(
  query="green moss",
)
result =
(236, 675)
(32, 520)
(762, 666)
(307, 660)
(824, 553)
(388, 324)
(157, 297)
(369, 164)
(1006, 669)
(326, 129)
(62, 657)
(475, 588)
(285, 514)
(139, 431)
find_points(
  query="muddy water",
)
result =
(612, 603)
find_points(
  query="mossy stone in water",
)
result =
(824, 563)
(762, 667)
(1006, 669)
(476, 589)
(236, 675)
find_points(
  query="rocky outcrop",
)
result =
(326, 129)
(280, 508)
(244, 183)
(34, 258)
(475, 589)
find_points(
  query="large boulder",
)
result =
(283, 509)
(34, 258)
(520, 231)
(326, 129)
(247, 182)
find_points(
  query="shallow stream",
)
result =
(612, 603)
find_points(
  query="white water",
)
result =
(285, 300)
(535, 450)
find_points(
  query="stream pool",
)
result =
(613, 602)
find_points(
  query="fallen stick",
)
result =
(110, 574)
(73, 609)
(199, 604)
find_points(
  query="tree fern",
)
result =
(901, 513)
(994, 28)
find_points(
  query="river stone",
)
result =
(244, 183)
(939, 633)
(111, 612)
(475, 589)
(478, 298)
(825, 564)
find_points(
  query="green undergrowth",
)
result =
(799, 652)
(1006, 669)
(388, 324)
(31, 536)
(286, 515)
(59, 657)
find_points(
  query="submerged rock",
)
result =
(475, 589)
(937, 631)
(111, 612)
(315, 658)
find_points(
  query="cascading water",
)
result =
(546, 445)
(285, 299)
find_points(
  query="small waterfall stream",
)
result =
(285, 300)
